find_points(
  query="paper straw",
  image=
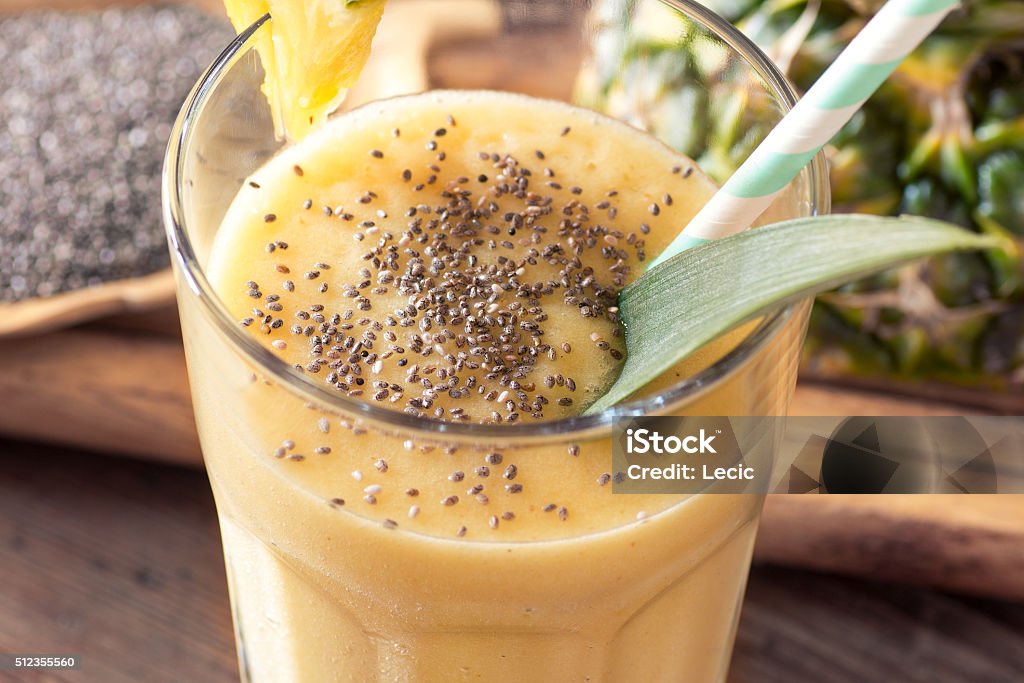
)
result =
(898, 28)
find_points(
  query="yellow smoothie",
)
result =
(455, 256)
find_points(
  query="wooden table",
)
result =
(118, 561)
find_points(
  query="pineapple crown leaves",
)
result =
(944, 137)
(693, 298)
(956, 96)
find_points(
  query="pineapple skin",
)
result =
(944, 137)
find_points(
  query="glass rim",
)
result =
(578, 426)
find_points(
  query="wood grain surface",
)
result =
(34, 316)
(119, 563)
(110, 390)
(973, 544)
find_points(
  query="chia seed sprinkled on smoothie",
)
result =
(465, 284)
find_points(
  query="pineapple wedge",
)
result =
(312, 53)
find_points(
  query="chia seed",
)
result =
(87, 107)
(466, 328)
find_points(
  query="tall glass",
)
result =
(321, 592)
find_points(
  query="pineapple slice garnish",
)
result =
(312, 52)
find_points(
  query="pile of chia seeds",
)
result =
(87, 100)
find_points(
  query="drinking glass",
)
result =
(324, 592)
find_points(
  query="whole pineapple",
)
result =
(944, 137)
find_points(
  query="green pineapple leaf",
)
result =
(686, 302)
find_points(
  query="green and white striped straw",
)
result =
(894, 32)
